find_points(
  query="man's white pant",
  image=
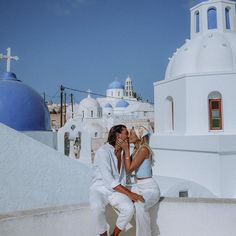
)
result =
(100, 196)
(146, 212)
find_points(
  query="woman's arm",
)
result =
(140, 156)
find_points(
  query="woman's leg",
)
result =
(150, 191)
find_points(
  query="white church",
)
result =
(195, 112)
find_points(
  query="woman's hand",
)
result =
(123, 144)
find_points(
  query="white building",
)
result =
(195, 112)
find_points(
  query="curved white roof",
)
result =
(89, 102)
(211, 52)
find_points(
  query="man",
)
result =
(108, 184)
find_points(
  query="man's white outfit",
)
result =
(105, 177)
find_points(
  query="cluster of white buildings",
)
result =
(94, 117)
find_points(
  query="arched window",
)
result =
(66, 144)
(227, 18)
(212, 19)
(77, 145)
(91, 113)
(197, 21)
(215, 110)
(169, 114)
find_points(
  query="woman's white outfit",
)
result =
(146, 212)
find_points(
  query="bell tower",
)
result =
(213, 15)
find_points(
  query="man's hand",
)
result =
(136, 197)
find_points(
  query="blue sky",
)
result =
(86, 44)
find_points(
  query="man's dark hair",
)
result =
(113, 133)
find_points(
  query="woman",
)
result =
(141, 161)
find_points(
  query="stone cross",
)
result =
(9, 58)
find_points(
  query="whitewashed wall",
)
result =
(33, 175)
(176, 217)
(205, 160)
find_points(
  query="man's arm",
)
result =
(103, 161)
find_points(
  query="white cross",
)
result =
(89, 91)
(9, 58)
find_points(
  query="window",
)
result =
(183, 193)
(66, 144)
(197, 20)
(170, 113)
(215, 114)
(77, 145)
(215, 111)
(227, 18)
(91, 113)
(211, 16)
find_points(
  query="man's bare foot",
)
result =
(116, 231)
(104, 234)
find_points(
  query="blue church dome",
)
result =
(116, 85)
(108, 105)
(122, 103)
(21, 107)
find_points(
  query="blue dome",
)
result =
(116, 85)
(21, 107)
(122, 103)
(108, 105)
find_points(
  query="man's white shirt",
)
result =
(105, 169)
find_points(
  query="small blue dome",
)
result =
(21, 107)
(122, 103)
(116, 85)
(108, 105)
